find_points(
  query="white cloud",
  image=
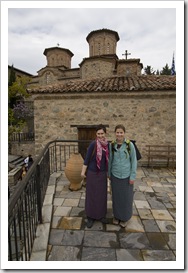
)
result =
(149, 34)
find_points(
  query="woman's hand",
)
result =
(83, 172)
(131, 182)
(83, 175)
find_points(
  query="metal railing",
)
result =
(25, 204)
(21, 137)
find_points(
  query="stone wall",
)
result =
(149, 117)
(128, 68)
(23, 148)
(14, 175)
(102, 43)
(96, 68)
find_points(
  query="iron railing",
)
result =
(21, 137)
(25, 203)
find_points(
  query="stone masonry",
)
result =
(105, 89)
(102, 61)
(148, 119)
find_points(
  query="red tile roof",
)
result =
(111, 84)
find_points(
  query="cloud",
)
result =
(149, 34)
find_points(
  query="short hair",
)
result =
(119, 126)
(100, 127)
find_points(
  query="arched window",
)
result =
(48, 78)
(99, 48)
(108, 48)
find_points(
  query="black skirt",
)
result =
(96, 194)
(122, 198)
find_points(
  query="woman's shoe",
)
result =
(90, 223)
(115, 221)
(123, 224)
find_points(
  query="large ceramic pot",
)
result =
(73, 171)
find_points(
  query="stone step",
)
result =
(15, 161)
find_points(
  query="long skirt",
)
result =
(96, 195)
(122, 198)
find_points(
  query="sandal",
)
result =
(123, 224)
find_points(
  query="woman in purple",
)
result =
(96, 164)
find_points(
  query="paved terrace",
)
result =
(150, 235)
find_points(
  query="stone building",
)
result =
(18, 72)
(69, 102)
(102, 61)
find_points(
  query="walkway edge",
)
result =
(40, 245)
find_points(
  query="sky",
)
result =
(151, 31)
(149, 34)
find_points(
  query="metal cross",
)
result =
(126, 54)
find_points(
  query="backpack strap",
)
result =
(128, 145)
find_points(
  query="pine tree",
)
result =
(12, 77)
(165, 70)
(148, 70)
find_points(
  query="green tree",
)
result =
(148, 70)
(17, 90)
(17, 94)
(12, 77)
(165, 70)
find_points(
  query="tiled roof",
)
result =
(58, 48)
(111, 84)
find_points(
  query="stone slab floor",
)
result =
(150, 235)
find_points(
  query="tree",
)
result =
(17, 90)
(12, 77)
(148, 70)
(22, 111)
(18, 112)
(165, 70)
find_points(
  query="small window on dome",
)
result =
(48, 78)
(108, 48)
(99, 48)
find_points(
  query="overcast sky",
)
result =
(147, 30)
(147, 33)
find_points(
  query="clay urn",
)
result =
(73, 171)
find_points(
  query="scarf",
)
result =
(102, 145)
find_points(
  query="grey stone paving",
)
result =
(150, 235)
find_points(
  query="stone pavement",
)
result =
(150, 234)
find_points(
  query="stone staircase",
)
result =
(15, 161)
(15, 164)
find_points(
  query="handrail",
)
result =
(25, 204)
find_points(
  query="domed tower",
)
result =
(102, 42)
(57, 56)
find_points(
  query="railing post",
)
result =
(38, 187)
(19, 137)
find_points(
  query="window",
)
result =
(48, 78)
(99, 48)
(108, 48)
